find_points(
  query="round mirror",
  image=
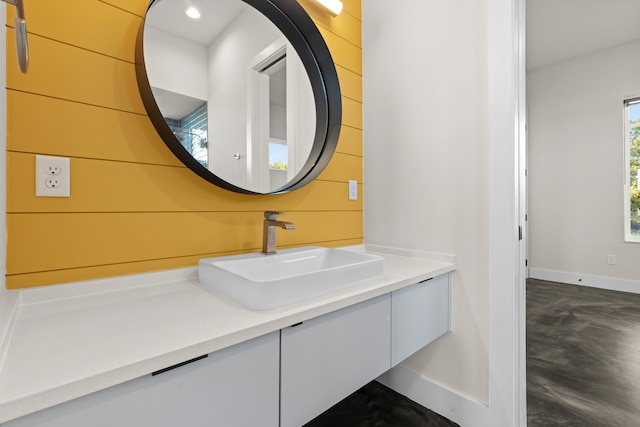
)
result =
(243, 92)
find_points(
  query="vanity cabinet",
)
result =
(420, 313)
(325, 359)
(285, 378)
(234, 387)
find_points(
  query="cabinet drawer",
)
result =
(419, 314)
(327, 358)
(236, 386)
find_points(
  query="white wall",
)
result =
(175, 64)
(576, 167)
(230, 56)
(427, 165)
(301, 112)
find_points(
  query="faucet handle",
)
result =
(271, 215)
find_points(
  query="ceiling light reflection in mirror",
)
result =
(192, 13)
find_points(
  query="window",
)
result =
(278, 154)
(632, 169)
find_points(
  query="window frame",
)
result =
(627, 103)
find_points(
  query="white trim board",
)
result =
(456, 407)
(507, 253)
(610, 283)
(411, 253)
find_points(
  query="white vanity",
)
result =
(98, 353)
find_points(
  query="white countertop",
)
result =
(66, 341)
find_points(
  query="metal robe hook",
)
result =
(22, 48)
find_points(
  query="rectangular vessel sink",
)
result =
(263, 282)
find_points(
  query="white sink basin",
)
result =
(263, 282)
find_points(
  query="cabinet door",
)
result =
(420, 314)
(236, 386)
(327, 358)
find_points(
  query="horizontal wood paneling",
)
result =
(66, 128)
(344, 25)
(138, 7)
(133, 206)
(89, 239)
(343, 52)
(350, 83)
(101, 19)
(64, 71)
(353, 7)
(351, 113)
(103, 133)
(91, 272)
(63, 20)
(350, 141)
(342, 166)
(106, 186)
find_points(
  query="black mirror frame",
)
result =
(298, 27)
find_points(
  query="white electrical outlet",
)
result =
(611, 259)
(53, 176)
(353, 189)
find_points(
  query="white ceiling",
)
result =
(216, 16)
(559, 30)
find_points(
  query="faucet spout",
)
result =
(269, 231)
(283, 224)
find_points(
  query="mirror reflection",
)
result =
(232, 90)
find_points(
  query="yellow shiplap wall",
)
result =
(133, 206)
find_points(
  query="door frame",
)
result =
(507, 197)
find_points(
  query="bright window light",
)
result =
(632, 169)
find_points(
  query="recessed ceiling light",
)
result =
(192, 13)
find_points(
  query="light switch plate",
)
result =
(353, 189)
(53, 176)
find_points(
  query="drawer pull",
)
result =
(162, 371)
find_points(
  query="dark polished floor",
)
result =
(583, 366)
(583, 356)
(375, 405)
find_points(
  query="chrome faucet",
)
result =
(269, 231)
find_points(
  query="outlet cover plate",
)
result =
(53, 176)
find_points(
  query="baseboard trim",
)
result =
(454, 406)
(610, 283)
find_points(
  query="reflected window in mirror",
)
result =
(278, 155)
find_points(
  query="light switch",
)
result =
(353, 189)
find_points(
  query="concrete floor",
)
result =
(375, 405)
(583, 366)
(583, 356)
